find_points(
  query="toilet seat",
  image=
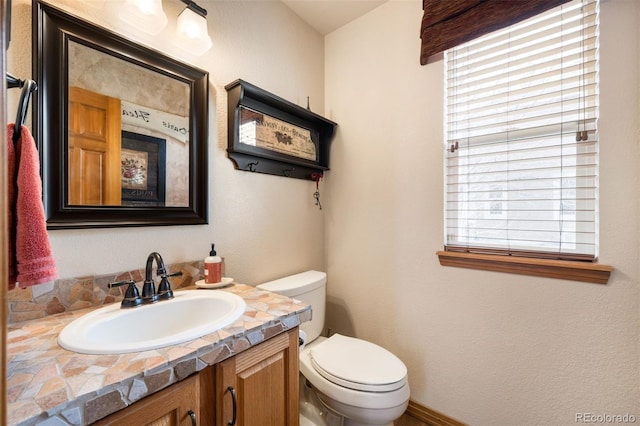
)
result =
(357, 364)
(355, 398)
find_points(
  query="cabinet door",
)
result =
(263, 382)
(173, 406)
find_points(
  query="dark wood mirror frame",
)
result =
(53, 29)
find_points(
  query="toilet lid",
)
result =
(358, 364)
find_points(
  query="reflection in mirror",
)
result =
(121, 117)
(122, 128)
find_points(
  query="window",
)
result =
(521, 138)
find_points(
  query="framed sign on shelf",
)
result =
(268, 134)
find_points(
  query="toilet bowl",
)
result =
(352, 380)
(356, 379)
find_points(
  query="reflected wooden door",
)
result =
(94, 149)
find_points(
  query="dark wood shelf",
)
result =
(252, 158)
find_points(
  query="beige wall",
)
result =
(265, 226)
(486, 348)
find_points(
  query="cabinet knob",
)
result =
(193, 417)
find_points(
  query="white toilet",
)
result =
(348, 381)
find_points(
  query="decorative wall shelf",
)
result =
(268, 134)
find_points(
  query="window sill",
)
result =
(561, 269)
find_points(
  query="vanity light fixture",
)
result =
(146, 15)
(192, 31)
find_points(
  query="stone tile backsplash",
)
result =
(70, 294)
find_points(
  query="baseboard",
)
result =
(430, 417)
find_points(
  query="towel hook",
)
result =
(250, 166)
(286, 172)
(28, 87)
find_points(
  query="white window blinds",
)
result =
(521, 138)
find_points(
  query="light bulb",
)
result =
(146, 15)
(193, 32)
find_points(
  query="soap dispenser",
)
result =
(212, 267)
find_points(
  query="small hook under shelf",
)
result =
(286, 172)
(316, 195)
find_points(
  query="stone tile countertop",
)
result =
(49, 385)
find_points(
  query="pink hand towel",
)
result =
(34, 257)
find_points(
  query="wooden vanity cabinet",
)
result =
(176, 405)
(265, 386)
(262, 384)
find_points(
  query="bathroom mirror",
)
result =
(121, 128)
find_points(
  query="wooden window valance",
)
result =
(449, 23)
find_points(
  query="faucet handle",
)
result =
(164, 288)
(131, 296)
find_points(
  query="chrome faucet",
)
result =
(132, 297)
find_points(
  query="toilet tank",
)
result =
(308, 287)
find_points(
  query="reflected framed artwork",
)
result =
(143, 170)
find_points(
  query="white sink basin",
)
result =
(189, 315)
